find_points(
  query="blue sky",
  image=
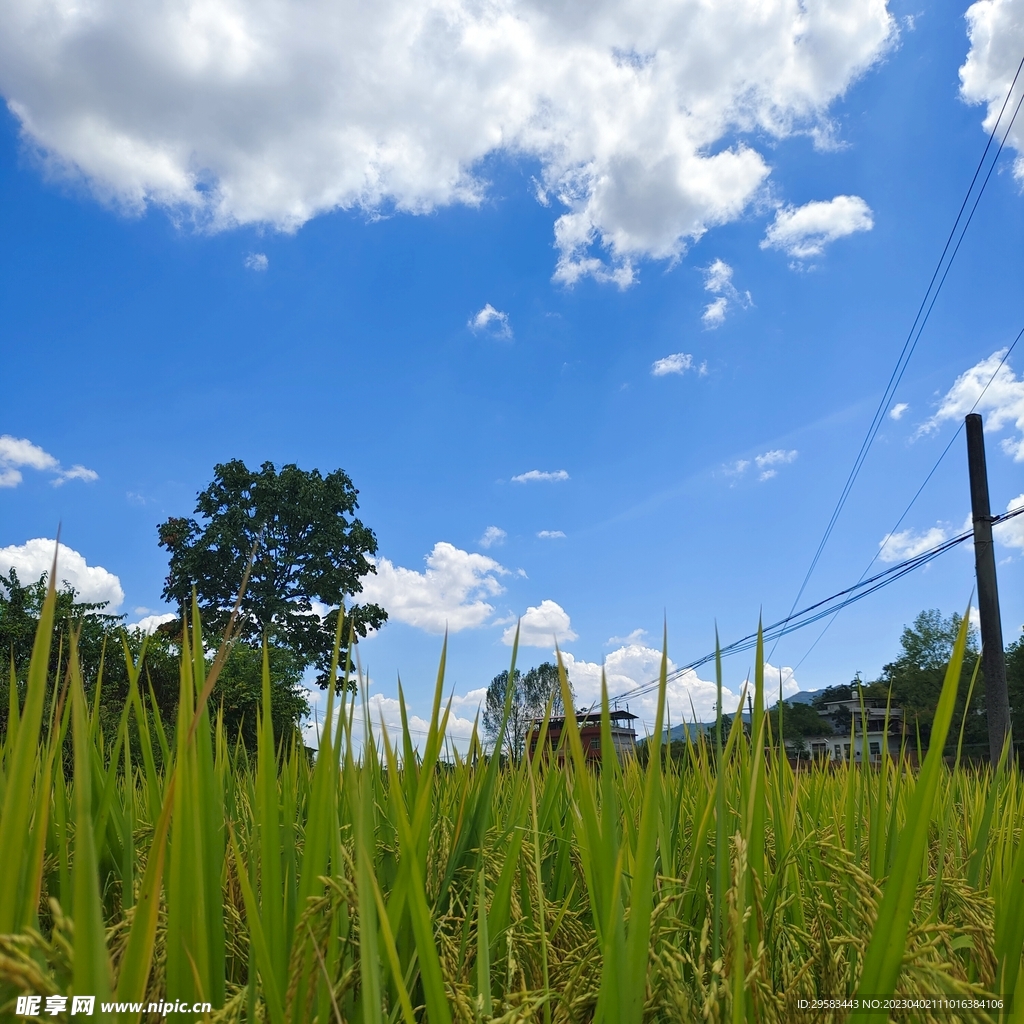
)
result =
(555, 246)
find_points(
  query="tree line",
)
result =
(293, 537)
(913, 681)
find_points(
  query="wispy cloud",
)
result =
(804, 231)
(550, 534)
(636, 637)
(536, 475)
(678, 362)
(718, 281)
(493, 536)
(897, 411)
(895, 547)
(257, 261)
(17, 453)
(491, 320)
(769, 461)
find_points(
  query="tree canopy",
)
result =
(916, 676)
(531, 692)
(237, 694)
(311, 554)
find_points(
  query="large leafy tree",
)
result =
(916, 676)
(309, 547)
(531, 692)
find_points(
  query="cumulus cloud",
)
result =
(451, 593)
(535, 475)
(991, 388)
(550, 534)
(1012, 533)
(894, 547)
(257, 261)
(17, 453)
(678, 362)
(768, 462)
(150, 623)
(493, 535)
(387, 710)
(718, 281)
(897, 411)
(804, 231)
(996, 31)
(491, 320)
(93, 583)
(635, 665)
(543, 625)
(265, 112)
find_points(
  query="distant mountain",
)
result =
(803, 697)
(678, 732)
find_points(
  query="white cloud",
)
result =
(535, 475)
(635, 637)
(714, 312)
(550, 534)
(450, 594)
(491, 320)
(996, 31)
(897, 411)
(768, 461)
(76, 472)
(543, 625)
(894, 547)
(718, 281)
(718, 278)
(150, 623)
(493, 535)
(804, 231)
(35, 557)
(634, 665)
(1012, 533)
(678, 362)
(379, 708)
(257, 261)
(990, 388)
(268, 112)
(17, 453)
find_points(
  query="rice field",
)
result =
(380, 882)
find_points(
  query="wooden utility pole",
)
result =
(997, 700)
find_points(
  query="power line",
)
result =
(913, 500)
(924, 311)
(821, 609)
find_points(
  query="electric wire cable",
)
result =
(920, 321)
(822, 609)
(913, 500)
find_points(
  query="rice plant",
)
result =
(380, 882)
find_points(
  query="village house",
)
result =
(844, 737)
(589, 724)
